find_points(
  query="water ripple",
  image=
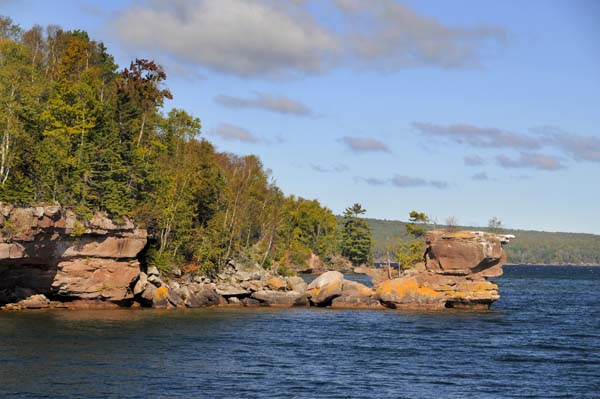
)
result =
(540, 341)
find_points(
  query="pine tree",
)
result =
(356, 236)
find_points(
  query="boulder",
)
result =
(473, 292)
(322, 290)
(227, 290)
(147, 296)
(355, 302)
(276, 283)
(355, 296)
(296, 283)
(201, 296)
(93, 278)
(280, 298)
(251, 302)
(154, 279)
(37, 301)
(354, 288)
(160, 299)
(140, 284)
(407, 293)
(234, 301)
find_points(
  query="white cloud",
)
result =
(403, 181)
(246, 38)
(268, 102)
(337, 168)
(531, 161)
(395, 36)
(484, 137)
(281, 39)
(473, 160)
(364, 144)
(231, 132)
(580, 148)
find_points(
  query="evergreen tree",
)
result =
(410, 251)
(356, 236)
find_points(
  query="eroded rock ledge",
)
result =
(50, 258)
(51, 251)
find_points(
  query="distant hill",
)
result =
(536, 247)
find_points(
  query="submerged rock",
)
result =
(280, 298)
(355, 302)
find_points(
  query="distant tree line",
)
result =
(529, 247)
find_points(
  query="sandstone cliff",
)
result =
(50, 250)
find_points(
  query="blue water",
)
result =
(541, 340)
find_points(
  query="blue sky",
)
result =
(470, 109)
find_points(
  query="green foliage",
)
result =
(8, 230)
(416, 226)
(306, 227)
(161, 261)
(356, 236)
(285, 272)
(78, 229)
(409, 253)
(77, 131)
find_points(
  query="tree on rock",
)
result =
(409, 252)
(356, 236)
(416, 224)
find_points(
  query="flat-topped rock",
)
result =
(464, 253)
(454, 274)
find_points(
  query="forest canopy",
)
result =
(79, 131)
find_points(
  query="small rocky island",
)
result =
(51, 258)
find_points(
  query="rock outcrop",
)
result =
(51, 258)
(454, 274)
(49, 250)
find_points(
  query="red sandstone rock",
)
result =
(455, 275)
(93, 278)
(464, 253)
(50, 250)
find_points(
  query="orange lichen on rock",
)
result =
(407, 292)
(161, 293)
(459, 234)
(276, 283)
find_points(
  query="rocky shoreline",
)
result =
(51, 258)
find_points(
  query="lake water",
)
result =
(541, 340)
